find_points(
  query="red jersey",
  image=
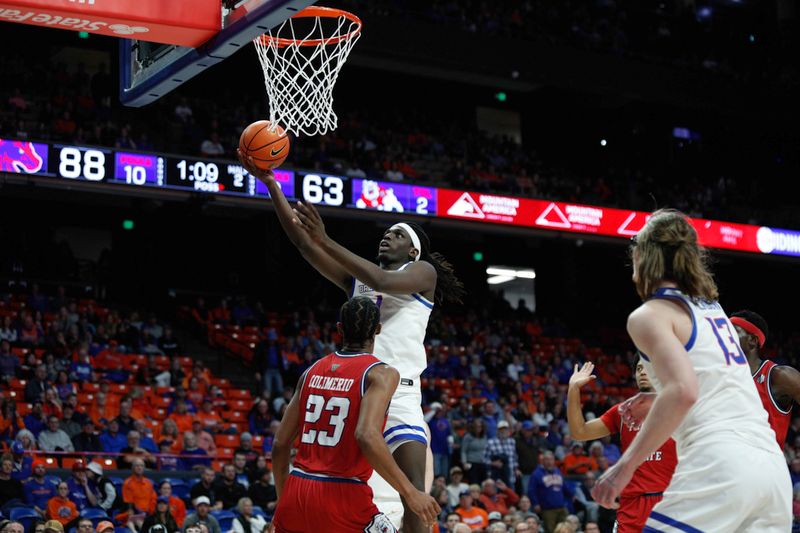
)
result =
(331, 401)
(652, 476)
(778, 418)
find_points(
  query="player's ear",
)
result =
(413, 253)
(340, 329)
(378, 329)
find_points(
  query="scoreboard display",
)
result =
(158, 171)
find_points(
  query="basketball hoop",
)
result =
(300, 72)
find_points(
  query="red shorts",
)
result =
(311, 503)
(633, 512)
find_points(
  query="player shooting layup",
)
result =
(405, 286)
(731, 476)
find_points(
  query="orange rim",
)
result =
(317, 11)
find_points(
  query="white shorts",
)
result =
(726, 487)
(404, 423)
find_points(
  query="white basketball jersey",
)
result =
(400, 343)
(728, 402)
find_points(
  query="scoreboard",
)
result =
(156, 171)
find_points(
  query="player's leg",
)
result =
(773, 512)
(712, 489)
(411, 457)
(633, 512)
(429, 463)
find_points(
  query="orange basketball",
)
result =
(267, 148)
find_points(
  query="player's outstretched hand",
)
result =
(424, 506)
(634, 410)
(307, 217)
(608, 488)
(583, 376)
(247, 162)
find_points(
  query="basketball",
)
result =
(268, 148)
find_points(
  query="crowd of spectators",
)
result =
(89, 390)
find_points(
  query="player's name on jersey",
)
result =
(330, 383)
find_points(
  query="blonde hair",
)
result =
(564, 527)
(667, 249)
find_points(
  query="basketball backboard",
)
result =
(150, 70)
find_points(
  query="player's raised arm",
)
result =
(418, 277)
(285, 436)
(652, 329)
(381, 384)
(310, 251)
(579, 428)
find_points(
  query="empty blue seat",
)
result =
(24, 515)
(225, 519)
(95, 515)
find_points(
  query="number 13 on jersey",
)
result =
(728, 341)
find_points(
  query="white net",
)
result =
(301, 59)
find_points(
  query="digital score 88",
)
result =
(81, 163)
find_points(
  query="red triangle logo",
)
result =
(553, 217)
(633, 224)
(466, 207)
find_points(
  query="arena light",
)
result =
(527, 273)
(496, 280)
(495, 271)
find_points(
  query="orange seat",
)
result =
(227, 441)
(161, 401)
(67, 462)
(85, 397)
(90, 387)
(108, 464)
(222, 383)
(236, 416)
(225, 453)
(238, 394)
(119, 388)
(241, 405)
(159, 414)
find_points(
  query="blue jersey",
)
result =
(38, 494)
(77, 494)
